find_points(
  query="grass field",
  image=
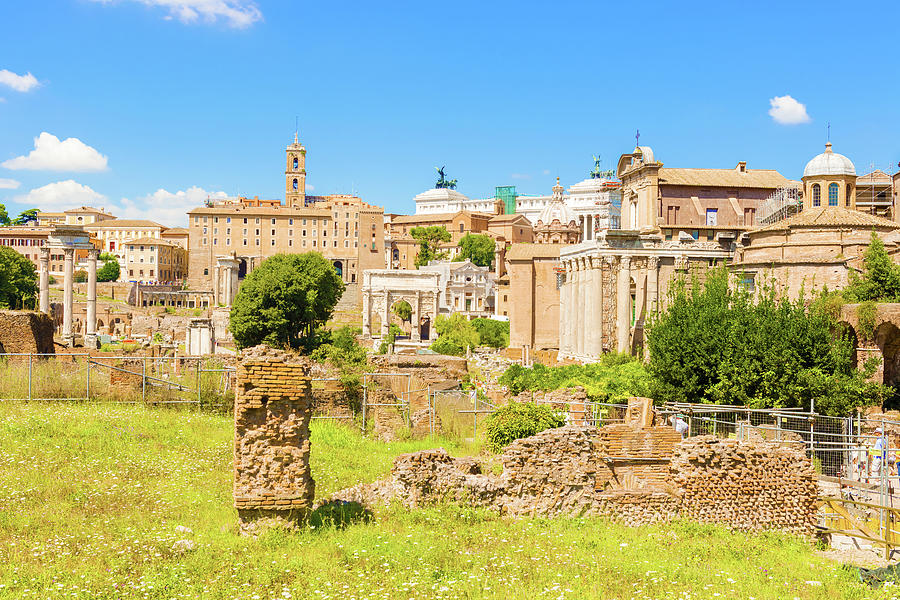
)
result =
(92, 499)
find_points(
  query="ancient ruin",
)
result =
(272, 408)
(636, 473)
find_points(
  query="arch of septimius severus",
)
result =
(382, 288)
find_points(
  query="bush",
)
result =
(110, 270)
(492, 333)
(81, 276)
(519, 420)
(18, 280)
(345, 354)
(614, 378)
(455, 335)
(393, 332)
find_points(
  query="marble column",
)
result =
(217, 284)
(386, 316)
(415, 333)
(68, 281)
(367, 313)
(597, 308)
(623, 306)
(565, 308)
(579, 307)
(44, 297)
(90, 335)
(653, 284)
(432, 330)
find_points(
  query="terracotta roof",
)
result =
(529, 251)
(876, 176)
(120, 223)
(87, 209)
(508, 218)
(436, 217)
(151, 241)
(254, 211)
(751, 178)
(830, 216)
(176, 231)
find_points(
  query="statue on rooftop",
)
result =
(596, 173)
(443, 182)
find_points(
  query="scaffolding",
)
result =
(507, 193)
(781, 204)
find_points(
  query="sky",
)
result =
(148, 107)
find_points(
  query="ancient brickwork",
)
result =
(272, 410)
(635, 474)
(126, 373)
(25, 332)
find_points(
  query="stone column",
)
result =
(367, 313)
(386, 315)
(653, 284)
(90, 335)
(579, 307)
(432, 331)
(217, 283)
(229, 285)
(68, 280)
(623, 306)
(44, 297)
(596, 348)
(565, 308)
(415, 333)
(571, 303)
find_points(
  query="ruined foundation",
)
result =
(634, 473)
(272, 408)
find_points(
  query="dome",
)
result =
(829, 163)
(556, 209)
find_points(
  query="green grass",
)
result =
(91, 496)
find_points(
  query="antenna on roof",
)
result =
(828, 131)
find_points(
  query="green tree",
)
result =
(25, 216)
(429, 239)
(4, 216)
(110, 271)
(880, 278)
(403, 310)
(18, 280)
(717, 343)
(281, 302)
(81, 276)
(455, 335)
(478, 248)
(492, 333)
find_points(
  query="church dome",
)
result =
(829, 163)
(556, 209)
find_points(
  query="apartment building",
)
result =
(154, 260)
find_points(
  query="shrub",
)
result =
(110, 270)
(492, 333)
(393, 332)
(455, 335)
(519, 420)
(81, 276)
(614, 378)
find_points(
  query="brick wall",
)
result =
(25, 332)
(272, 409)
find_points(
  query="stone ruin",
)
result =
(272, 409)
(26, 332)
(635, 473)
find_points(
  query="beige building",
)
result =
(114, 233)
(84, 215)
(465, 287)
(177, 235)
(28, 240)
(154, 260)
(529, 295)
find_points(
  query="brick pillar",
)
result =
(272, 409)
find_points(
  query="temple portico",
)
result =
(608, 288)
(70, 238)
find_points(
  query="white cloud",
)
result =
(310, 188)
(163, 206)
(235, 13)
(787, 111)
(20, 83)
(8, 184)
(51, 154)
(61, 195)
(520, 176)
(546, 171)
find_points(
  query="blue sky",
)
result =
(155, 103)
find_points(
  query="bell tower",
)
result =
(295, 174)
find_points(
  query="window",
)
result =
(245, 241)
(290, 242)
(847, 198)
(228, 220)
(215, 219)
(273, 232)
(816, 195)
(273, 221)
(273, 242)
(257, 221)
(711, 217)
(227, 241)
(295, 163)
(710, 235)
(461, 227)
(668, 233)
(257, 241)
(204, 219)
(304, 233)
(695, 233)
(294, 185)
(245, 222)
(833, 191)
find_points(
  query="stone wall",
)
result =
(635, 473)
(25, 332)
(272, 408)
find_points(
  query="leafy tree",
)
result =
(718, 344)
(81, 276)
(281, 302)
(519, 420)
(107, 256)
(18, 280)
(390, 338)
(403, 310)
(478, 248)
(344, 353)
(455, 335)
(429, 239)
(492, 333)
(4, 216)
(110, 271)
(25, 216)
(880, 279)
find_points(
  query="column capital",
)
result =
(93, 254)
(611, 261)
(653, 262)
(45, 253)
(626, 262)
(69, 252)
(596, 262)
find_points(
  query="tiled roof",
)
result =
(529, 251)
(876, 176)
(751, 178)
(124, 223)
(176, 231)
(151, 241)
(830, 216)
(435, 217)
(274, 211)
(508, 218)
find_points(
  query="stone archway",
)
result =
(383, 288)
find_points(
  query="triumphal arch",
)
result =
(382, 288)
